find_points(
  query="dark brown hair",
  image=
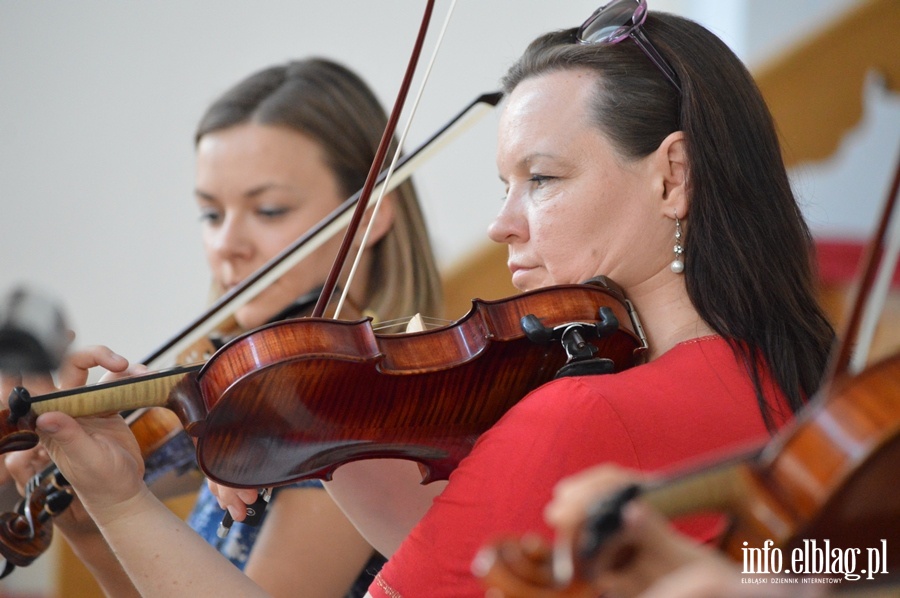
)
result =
(332, 105)
(748, 251)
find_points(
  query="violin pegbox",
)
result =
(574, 336)
(17, 428)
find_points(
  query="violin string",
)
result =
(393, 164)
(30, 488)
(431, 321)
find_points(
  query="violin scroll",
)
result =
(26, 532)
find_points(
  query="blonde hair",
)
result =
(332, 105)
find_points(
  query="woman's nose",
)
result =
(232, 239)
(508, 225)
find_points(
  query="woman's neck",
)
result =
(667, 314)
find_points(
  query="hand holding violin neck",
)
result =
(604, 519)
(152, 390)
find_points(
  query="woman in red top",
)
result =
(648, 158)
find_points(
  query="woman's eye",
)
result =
(272, 212)
(539, 179)
(210, 216)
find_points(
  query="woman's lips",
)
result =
(518, 272)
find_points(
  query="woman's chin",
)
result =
(251, 318)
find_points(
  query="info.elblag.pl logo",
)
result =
(816, 561)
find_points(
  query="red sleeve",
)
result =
(502, 487)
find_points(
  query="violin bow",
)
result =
(390, 171)
(377, 163)
(880, 286)
(840, 361)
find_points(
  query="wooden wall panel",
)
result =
(814, 90)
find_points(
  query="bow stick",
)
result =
(390, 169)
(369, 186)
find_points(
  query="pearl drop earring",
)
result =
(678, 264)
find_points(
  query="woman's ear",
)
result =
(672, 161)
(384, 219)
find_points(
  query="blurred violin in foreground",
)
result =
(831, 478)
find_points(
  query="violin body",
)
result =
(833, 476)
(296, 399)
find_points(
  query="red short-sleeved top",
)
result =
(695, 399)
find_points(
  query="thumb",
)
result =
(58, 429)
(98, 456)
(66, 441)
(76, 444)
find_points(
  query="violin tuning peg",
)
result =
(58, 501)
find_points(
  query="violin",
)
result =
(296, 399)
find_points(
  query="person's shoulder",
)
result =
(565, 401)
(683, 361)
(696, 363)
(711, 345)
(562, 425)
(559, 392)
(705, 362)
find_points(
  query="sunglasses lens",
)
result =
(611, 23)
(618, 20)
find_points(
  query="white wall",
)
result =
(99, 98)
(98, 101)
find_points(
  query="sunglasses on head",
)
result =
(621, 19)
